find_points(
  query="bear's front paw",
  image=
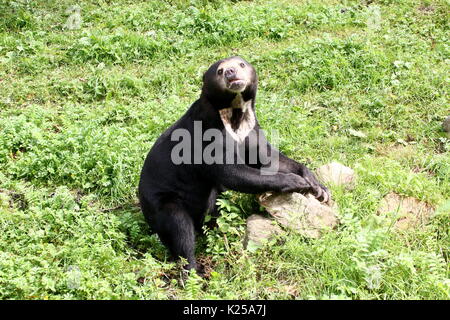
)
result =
(294, 183)
(319, 191)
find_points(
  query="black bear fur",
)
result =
(175, 197)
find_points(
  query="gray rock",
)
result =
(337, 174)
(305, 215)
(446, 125)
(408, 212)
(259, 231)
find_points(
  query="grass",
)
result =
(361, 82)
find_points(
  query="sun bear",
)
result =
(216, 145)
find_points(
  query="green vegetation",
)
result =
(363, 84)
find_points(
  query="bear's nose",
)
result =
(230, 72)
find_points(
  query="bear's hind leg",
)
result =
(175, 228)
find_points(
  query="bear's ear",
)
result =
(205, 80)
(206, 74)
(250, 91)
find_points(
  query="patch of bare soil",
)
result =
(409, 212)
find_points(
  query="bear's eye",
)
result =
(242, 64)
(219, 72)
